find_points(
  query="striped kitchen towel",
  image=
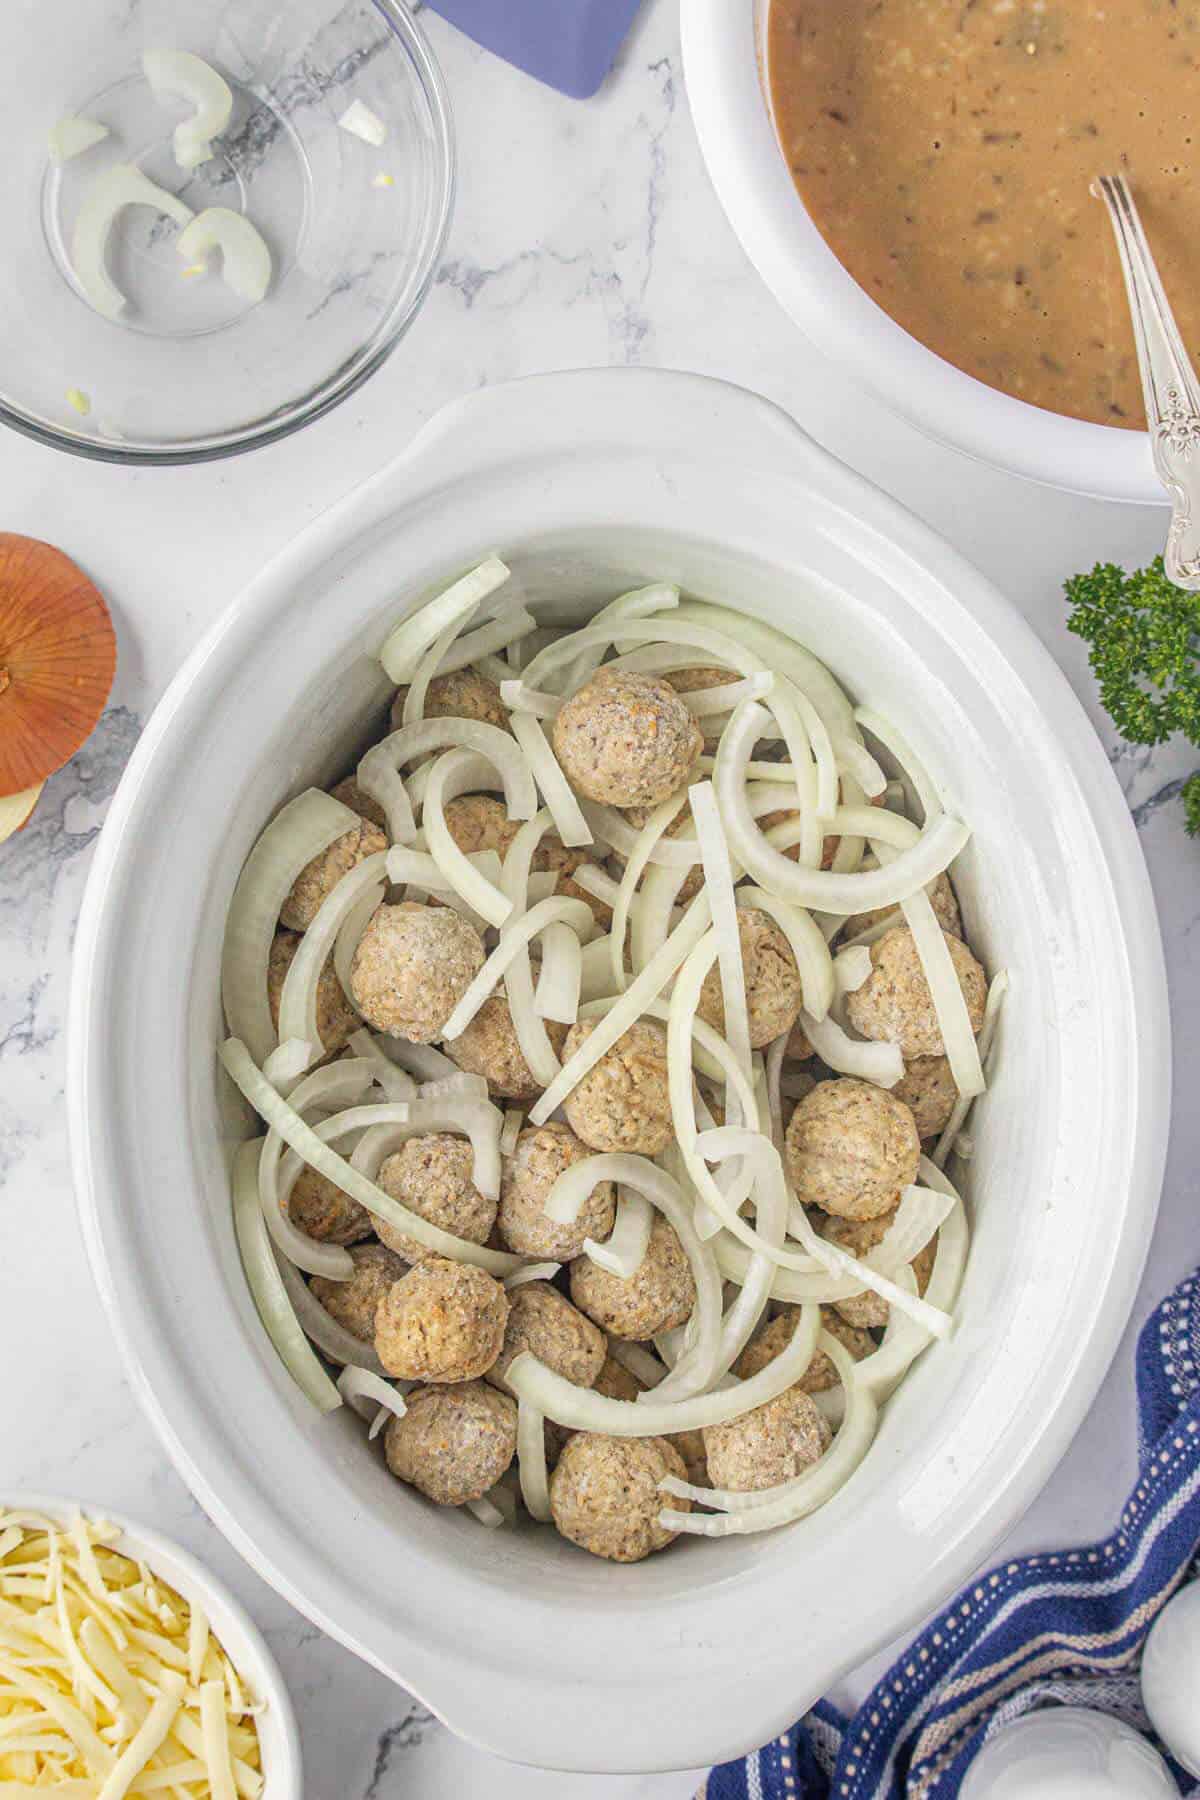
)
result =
(1064, 1626)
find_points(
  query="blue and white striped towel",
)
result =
(1063, 1626)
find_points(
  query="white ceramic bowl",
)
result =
(724, 59)
(589, 483)
(279, 1740)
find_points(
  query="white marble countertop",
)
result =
(595, 238)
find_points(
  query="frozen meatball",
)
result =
(623, 1102)
(941, 898)
(540, 1157)
(658, 1296)
(463, 695)
(480, 822)
(821, 1372)
(626, 739)
(336, 1018)
(851, 1148)
(894, 1004)
(489, 1047)
(321, 1210)
(604, 1494)
(774, 1443)
(797, 1048)
(617, 1383)
(351, 795)
(857, 1237)
(929, 1091)
(543, 1321)
(773, 991)
(354, 1303)
(444, 1321)
(412, 966)
(453, 1443)
(318, 878)
(432, 1176)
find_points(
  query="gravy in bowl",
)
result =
(945, 148)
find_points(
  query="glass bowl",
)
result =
(190, 371)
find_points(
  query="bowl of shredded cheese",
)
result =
(126, 1670)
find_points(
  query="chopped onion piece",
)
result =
(298, 998)
(358, 1383)
(539, 1271)
(519, 698)
(575, 914)
(917, 1220)
(926, 793)
(531, 1461)
(302, 829)
(189, 77)
(807, 943)
(557, 995)
(245, 259)
(851, 968)
(339, 1084)
(329, 1335)
(964, 1146)
(487, 1512)
(72, 136)
(477, 1120)
(457, 870)
(530, 1028)
(661, 817)
(582, 1409)
(706, 703)
(287, 1063)
(361, 122)
(962, 1106)
(613, 829)
(514, 1120)
(378, 773)
(870, 1061)
(569, 821)
(627, 1010)
(624, 1250)
(892, 829)
(718, 881)
(512, 623)
(638, 1360)
(771, 1210)
(269, 1294)
(945, 989)
(593, 880)
(639, 603)
(114, 188)
(350, 933)
(405, 645)
(396, 1083)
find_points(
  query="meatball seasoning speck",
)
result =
(604, 1494)
(489, 1047)
(894, 1004)
(851, 1148)
(443, 1321)
(336, 1018)
(453, 1443)
(626, 739)
(821, 1373)
(543, 1321)
(623, 1102)
(775, 1442)
(432, 1176)
(464, 694)
(772, 981)
(928, 1088)
(659, 1295)
(542, 1154)
(317, 879)
(321, 1210)
(867, 1311)
(412, 966)
(354, 1303)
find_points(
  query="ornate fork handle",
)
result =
(1168, 382)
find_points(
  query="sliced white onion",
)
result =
(795, 1499)
(918, 1218)
(613, 829)
(266, 1286)
(627, 1010)
(339, 1084)
(189, 77)
(894, 741)
(582, 1409)
(639, 603)
(531, 1461)
(487, 1512)
(460, 1086)
(427, 668)
(72, 136)
(301, 830)
(380, 1398)
(557, 995)
(576, 915)
(350, 934)
(594, 880)
(807, 943)
(113, 189)
(875, 822)
(457, 870)
(405, 645)
(869, 1061)
(771, 1209)
(514, 1120)
(662, 816)
(848, 856)
(711, 1055)
(964, 1146)
(313, 1147)
(637, 1359)
(327, 1333)
(707, 703)
(245, 259)
(298, 998)
(532, 1036)
(287, 1063)
(905, 1338)
(870, 1275)
(397, 1084)
(540, 1271)
(378, 773)
(477, 1120)
(512, 623)
(945, 989)
(520, 698)
(718, 880)
(361, 122)
(623, 1252)
(653, 915)
(962, 1106)
(569, 821)
(851, 967)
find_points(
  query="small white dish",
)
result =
(239, 1636)
(724, 55)
(1171, 1676)
(1068, 1753)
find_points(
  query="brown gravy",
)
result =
(944, 149)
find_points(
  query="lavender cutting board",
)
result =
(569, 44)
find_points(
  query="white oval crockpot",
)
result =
(724, 55)
(589, 483)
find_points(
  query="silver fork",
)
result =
(1168, 382)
